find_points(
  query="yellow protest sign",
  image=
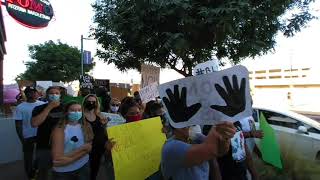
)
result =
(137, 152)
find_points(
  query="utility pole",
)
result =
(82, 55)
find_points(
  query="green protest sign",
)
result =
(269, 145)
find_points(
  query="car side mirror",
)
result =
(302, 130)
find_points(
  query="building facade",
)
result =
(2, 53)
(296, 88)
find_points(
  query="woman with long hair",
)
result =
(71, 144)
(92, 115)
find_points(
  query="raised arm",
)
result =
(216, 144)
(41, 117)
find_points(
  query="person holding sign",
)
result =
(71, 144)
(92, 115)
(130, 110)
(184, 159)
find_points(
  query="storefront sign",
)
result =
(31, 13)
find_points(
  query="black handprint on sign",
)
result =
(235, 97)
(177, 106)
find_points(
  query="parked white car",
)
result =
(298, 133)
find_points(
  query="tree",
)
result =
(182, 33)
(53, 61)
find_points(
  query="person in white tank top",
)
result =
(71, 144)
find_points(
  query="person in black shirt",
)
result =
(98, 124)
(234, 165)
(46, 117)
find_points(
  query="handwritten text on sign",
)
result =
(202, 89)
(149, 92)
(137, 152)
(149, 74)
(86, 81)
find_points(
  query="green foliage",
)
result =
(295, 167)
(182, 33)
(53, 61)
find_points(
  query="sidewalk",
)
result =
(12, 171)
(15, 171)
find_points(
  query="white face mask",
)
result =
(193, 131)
(114, 108)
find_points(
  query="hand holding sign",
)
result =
(234, 97)
(177, 106)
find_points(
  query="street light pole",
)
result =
(82, 55)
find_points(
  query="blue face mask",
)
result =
(54, 97)
(74, 116)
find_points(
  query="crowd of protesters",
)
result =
(70, 140)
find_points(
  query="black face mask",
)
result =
(90, 106)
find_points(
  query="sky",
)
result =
(74, 17)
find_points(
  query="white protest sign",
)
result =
(44, 84)
(149, 74)
(206, 67)
(114, 119)
(149, 92)
(208, 99)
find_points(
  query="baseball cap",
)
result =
(29, 89)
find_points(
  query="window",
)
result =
(255, 115)
(314, 130)
(277, 119)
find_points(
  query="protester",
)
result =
(130, 110)
(26, 133)
(84, 92)
(92, 115)
(183, 159)
(46, 117)
(71, 145)
(114, 106)
(137, 99)
(234, 164)
(249, 132)
(147, 114)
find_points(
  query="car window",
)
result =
(255, 114)
(280, 120)
(313, 130)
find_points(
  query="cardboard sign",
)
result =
(209, 98)
(86, 81)
(149, 92)
(206, 67)
(149, 75)
(102, 83)
(137, 152)
(114, 119)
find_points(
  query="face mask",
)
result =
(114, 108)
(90, 106)
(74, 116)
(134, 118)
(54, 97)
(193, 131)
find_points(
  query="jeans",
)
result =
(44, 163)
(28, 146)
(80, 174)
